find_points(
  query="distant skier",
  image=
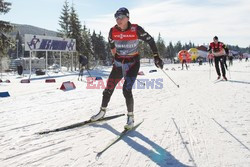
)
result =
(83, 62)
(230, 58)
(241, 57)
(184, 59)
(225, 57)
(124, 43)
(210, 57)
(218, 50)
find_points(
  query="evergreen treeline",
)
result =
(96, 48)
(93, 45)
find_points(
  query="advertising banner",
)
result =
(48, 43)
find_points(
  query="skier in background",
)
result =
(184, 60)
(83, 63)
(230, 58)
(225, 57)
(218, 50)
(124, 43)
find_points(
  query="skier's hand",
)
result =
(158, 62)
(113, 58)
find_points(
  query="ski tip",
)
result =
(42, 133)
(98, 155)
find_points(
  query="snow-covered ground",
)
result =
(202, 123)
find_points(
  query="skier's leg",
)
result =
(128, 85)
(216, 62)
(114, 77)
(127, 92)
(222, 63)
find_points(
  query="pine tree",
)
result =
(144, 50)
(178, 47)
(87, 46)
(99, 48)
(161, 46)
(95, 44)
(5, 27)
(109, 54)
(170, 51)
(64, 21)
(75, 30)
(19, 41)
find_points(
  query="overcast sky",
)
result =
(176, 20)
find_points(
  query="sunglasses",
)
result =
(120, 17)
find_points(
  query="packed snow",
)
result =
(203, 123)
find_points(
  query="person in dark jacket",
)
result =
(218, 50)
(83, 61)
(124, 43)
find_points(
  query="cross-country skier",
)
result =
(225, 57)
(230, 57)
(184, 60)
(124, 41)
(218, 50)
(83, 61)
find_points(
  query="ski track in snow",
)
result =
(202, 123)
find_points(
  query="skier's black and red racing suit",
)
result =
(126, 60)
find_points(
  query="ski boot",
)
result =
(130, 121)
(100, 115)
(218, 77)
(225, 78)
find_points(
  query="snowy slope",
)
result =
(202, 123)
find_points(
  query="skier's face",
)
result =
(122, 22)
(216, 41)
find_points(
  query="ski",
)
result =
(118, 138)
(217, 80)
(88, 122)
(220, 80)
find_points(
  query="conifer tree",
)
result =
(5, 27)
(64, 20)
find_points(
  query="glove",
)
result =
(158, 62)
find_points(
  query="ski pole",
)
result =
(141, 82)
(90, 76)
(89, 73)
(229, 72)
(170, 78)
(209, 71)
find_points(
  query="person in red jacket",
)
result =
(218, 50)
(124, 43)
(184, 59)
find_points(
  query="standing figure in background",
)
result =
(230, 58)
(241, 57)
(83, 62)
(184, 59)
(225, 57)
